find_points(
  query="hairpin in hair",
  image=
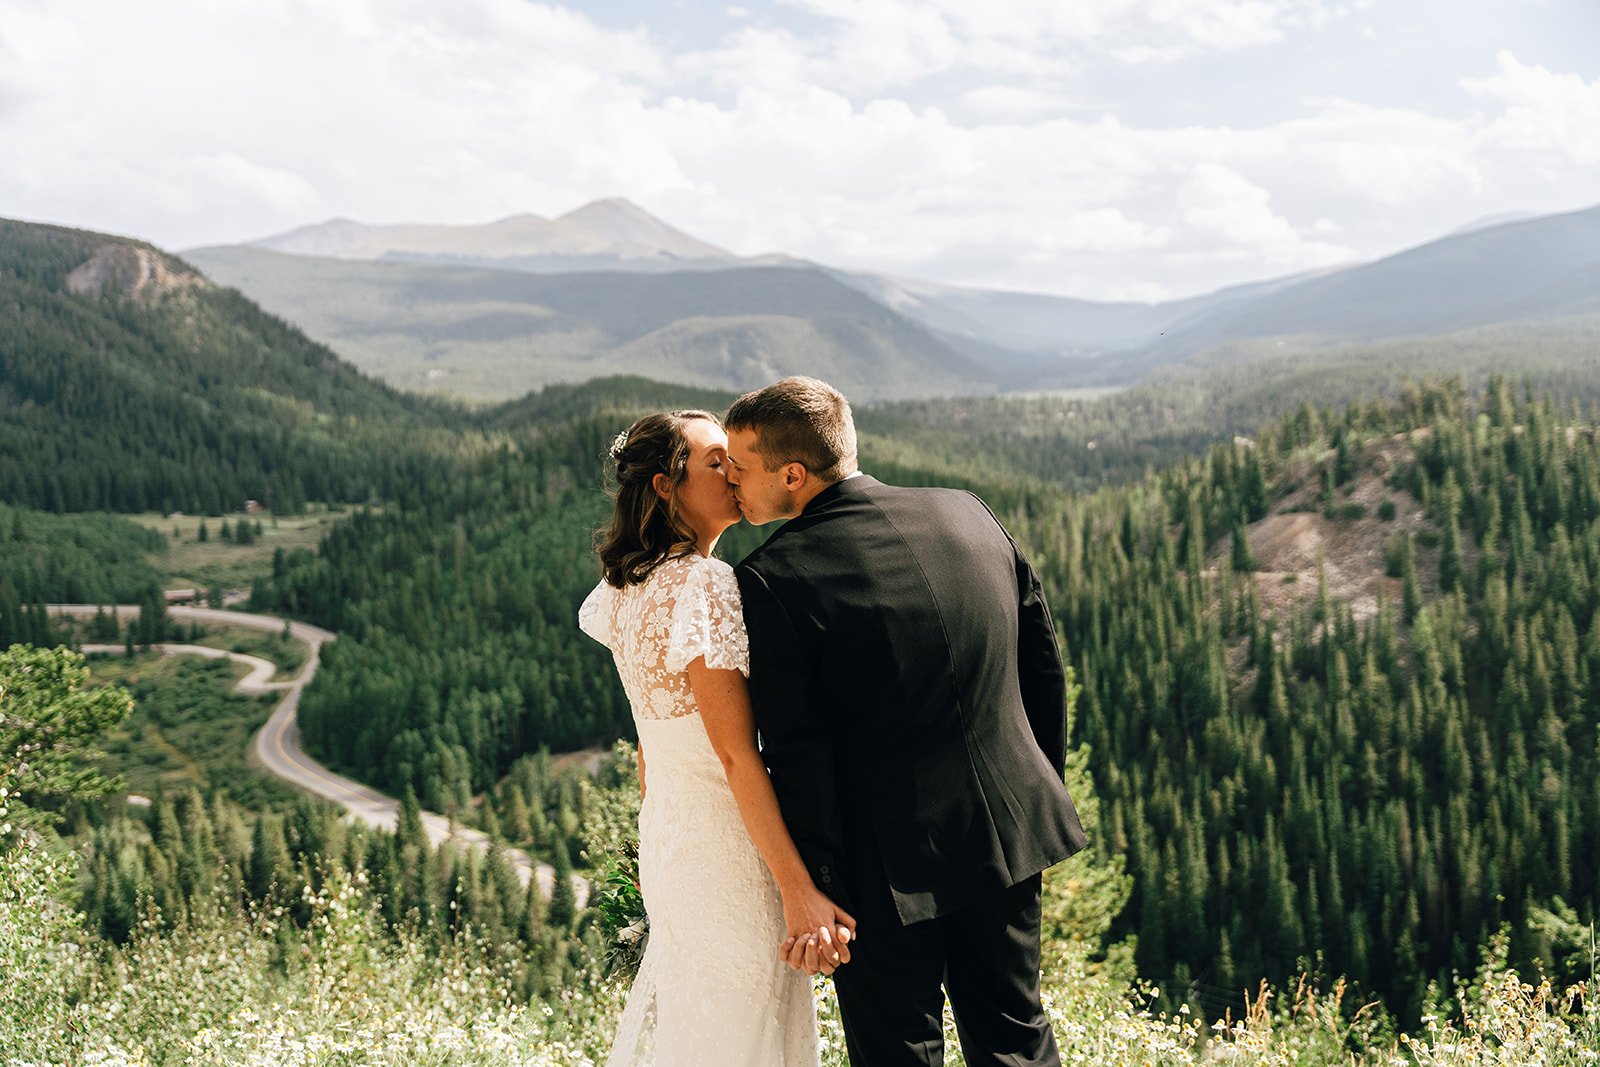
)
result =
(618, 443)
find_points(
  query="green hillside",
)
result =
(1459, 280)
(1340, 676)
(193, 931)
(128, 382)
(494, 331)
(1326, 775)
(1084, 438)
(1531, 272)
(1339, 687)
(459, 653)
(1291, 776)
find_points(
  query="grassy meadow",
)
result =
(188, 727)
(288, 653)
(188, 562)
(242, 987)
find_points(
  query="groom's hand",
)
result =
(812, 916)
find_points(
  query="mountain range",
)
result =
(487, 312)
(606, 233)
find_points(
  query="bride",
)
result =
(722, 881)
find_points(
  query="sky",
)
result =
(1105, 149)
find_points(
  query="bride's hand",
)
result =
(811, 916)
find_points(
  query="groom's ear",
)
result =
(794, 476)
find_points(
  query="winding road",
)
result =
(277, 744)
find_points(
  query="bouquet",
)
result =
(622, 915)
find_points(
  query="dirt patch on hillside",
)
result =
(130, 271)
(1344, 540)
(586, 759)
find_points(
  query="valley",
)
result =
(1331, 609)
(486, 313)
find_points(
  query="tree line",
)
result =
(1370, 798)
(193, 399)
(1373, 798)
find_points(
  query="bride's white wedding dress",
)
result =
(711, 988)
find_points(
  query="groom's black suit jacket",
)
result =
(910, 696)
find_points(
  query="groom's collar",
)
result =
(849, 484)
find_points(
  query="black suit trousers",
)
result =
(986, 955)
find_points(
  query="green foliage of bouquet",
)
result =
(622, 914)
(611, 844)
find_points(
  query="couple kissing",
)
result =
(850, 745)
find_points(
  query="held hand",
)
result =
(810, 913)
(808, 954)
(833, 948)
(825, 950)
(793, 952)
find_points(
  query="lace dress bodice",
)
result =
(686, 609)
(710, 987)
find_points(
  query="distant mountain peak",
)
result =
(520, 217)
(1485, 222)
(610, 205)
(612, 228)
(626, 224)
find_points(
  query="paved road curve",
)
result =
(277, 744)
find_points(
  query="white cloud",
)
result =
(228, 176)
(1143, 54)
(1011, 103)
(224, 121)
(1225, 25)
(890, 42)
(1386, 156)
(1218, 201)
(751, 57)
(1544, 112)
(384, 109)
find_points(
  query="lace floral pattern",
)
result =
(686, 609)
(710, 988)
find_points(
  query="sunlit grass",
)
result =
(236, 987)
(189, 562)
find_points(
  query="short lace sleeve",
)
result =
(594, 617)
(708, 620)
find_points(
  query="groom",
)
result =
(912, 709)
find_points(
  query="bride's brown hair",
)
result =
(645, 530)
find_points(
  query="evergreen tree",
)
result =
(271, 867)
(563, 910)
(1242, 559)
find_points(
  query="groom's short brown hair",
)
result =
(799, 420)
